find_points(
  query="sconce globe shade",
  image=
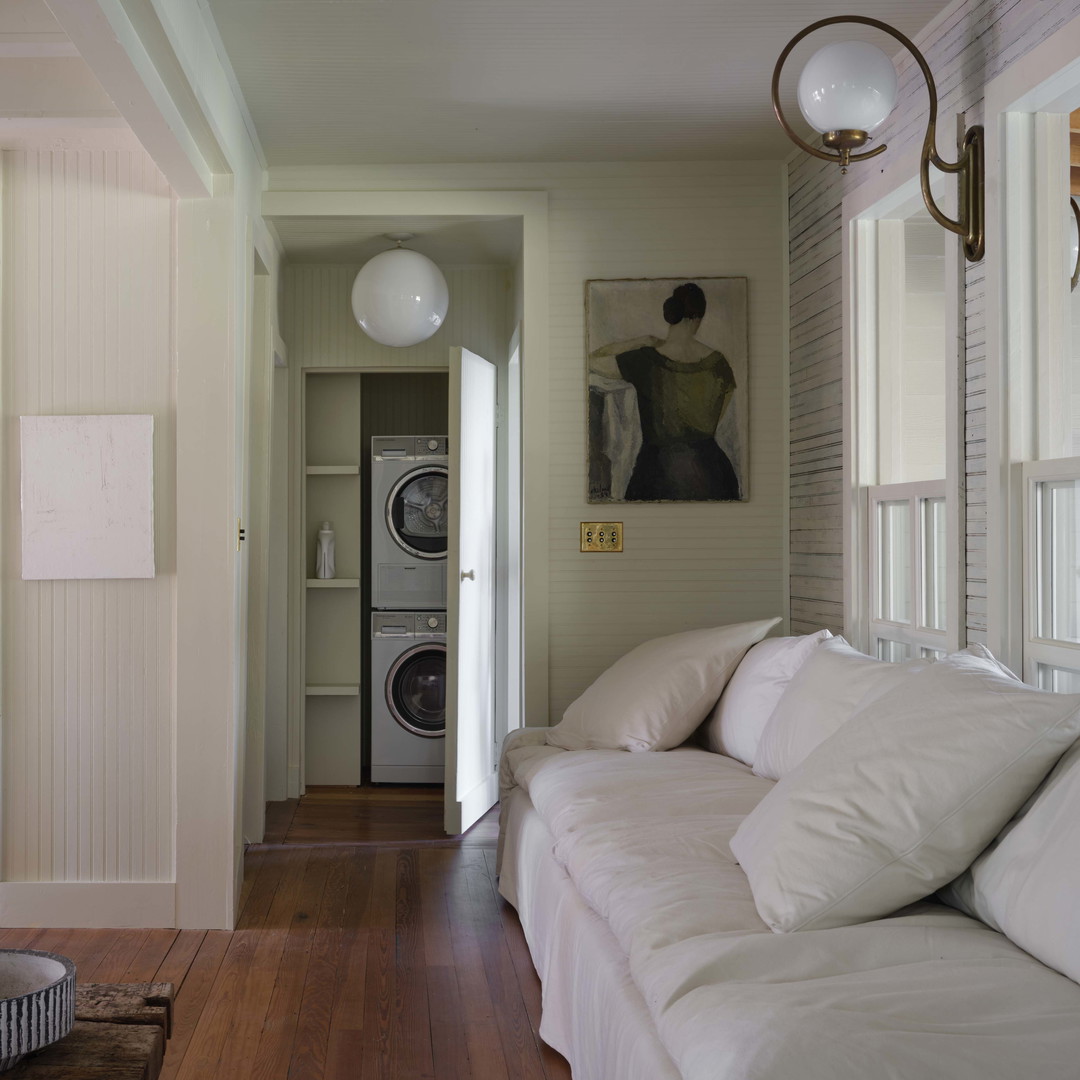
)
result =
(400, 298)
(847, 86)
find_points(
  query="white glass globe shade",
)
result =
(400, 298)
(850, 85)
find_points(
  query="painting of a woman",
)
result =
(660, 427)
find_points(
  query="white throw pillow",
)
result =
(821, 697)
(904, 797)
(655, 696)
(734, 728)
(1027, 882)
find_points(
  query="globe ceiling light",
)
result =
(847, 90)
(400, 297)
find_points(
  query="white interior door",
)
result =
(471, 778)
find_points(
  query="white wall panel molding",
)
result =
(137, 905)
(968, 45)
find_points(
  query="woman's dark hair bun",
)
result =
(686, 302)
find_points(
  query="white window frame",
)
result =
(1037, 649)
(919, 637)
(891, 194)
(1026, 155)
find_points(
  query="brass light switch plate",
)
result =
(601, 536)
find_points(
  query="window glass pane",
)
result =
(896, 652)
(894, 561)
(1062, 680)
(934, 614)
(911, 349)
(932, 654)
(1058, 561)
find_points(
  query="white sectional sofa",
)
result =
(657, 965)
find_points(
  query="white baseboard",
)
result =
(88, 904)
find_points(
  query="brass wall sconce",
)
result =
(848, 89)
(1074, 247)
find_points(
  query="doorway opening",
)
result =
(381, 649)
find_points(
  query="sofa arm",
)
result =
(515, 740)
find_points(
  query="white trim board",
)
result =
(88, 904)
(893, 192)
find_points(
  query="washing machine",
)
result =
(409, 477)
(408, 696)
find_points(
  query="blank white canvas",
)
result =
(87, 497)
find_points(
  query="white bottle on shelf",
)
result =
(324, 556)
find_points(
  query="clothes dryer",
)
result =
(408, 697)
(409, 481)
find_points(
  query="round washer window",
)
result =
(416, 690)
(416, 512)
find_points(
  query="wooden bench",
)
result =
(119, 1034)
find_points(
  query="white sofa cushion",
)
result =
(904, 797)
(1027, 882)
(656, 696)
(822, 696)
(734, 727)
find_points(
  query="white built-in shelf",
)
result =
(333, 470)
(333, 583)
(334, 690)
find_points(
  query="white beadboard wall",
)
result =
(88, 665)
(684, 565)
(973, 41)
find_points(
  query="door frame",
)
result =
(532, 208)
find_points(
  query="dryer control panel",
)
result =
(407, 447)
(408, 624)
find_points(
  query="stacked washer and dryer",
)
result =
(409, 487)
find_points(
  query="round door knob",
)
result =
(470, 574)
(433, 622)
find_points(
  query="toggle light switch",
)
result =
(601, 536)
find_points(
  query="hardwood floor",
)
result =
(392, 957)
(379, 815)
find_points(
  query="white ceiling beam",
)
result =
(283, 204)
(105, 38)
(43, 45)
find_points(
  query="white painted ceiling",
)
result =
(49, 97)
(405, 81)
(448, 241)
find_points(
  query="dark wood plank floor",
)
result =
(381, 958)
(369, 815)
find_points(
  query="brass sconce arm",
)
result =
(969, 168)
(1075, 279)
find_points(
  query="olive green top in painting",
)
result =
(678, 401)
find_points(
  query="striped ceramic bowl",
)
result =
(37, 1002)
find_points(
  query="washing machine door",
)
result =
(416, 689)
(416, 513)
